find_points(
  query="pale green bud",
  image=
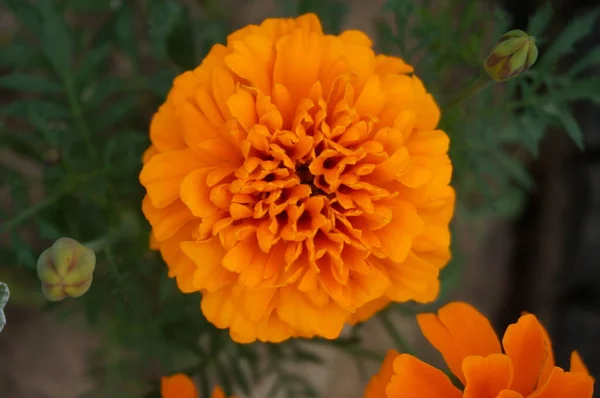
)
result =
(514, 53)
(4, 296)
(66, 269)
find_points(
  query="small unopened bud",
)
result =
(514, 53)
(4, 295)
(66, 269)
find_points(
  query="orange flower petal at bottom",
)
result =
(487, 377)
(458, 331)
(524, 342)
(563, 384)
(509, 394)
(379, 382)
(415, 379)
(577, 365)
(178, 386)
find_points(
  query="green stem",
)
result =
(479, 84)
(399, 341)
(30, 211)
(77, 112)
(101, 243)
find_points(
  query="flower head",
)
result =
(66, 269)
(472, 350)
(181, 386)
(514, 53)
(294, 177)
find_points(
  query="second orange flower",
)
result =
(295, 177)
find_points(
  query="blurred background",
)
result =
(543, 259)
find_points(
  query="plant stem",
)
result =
(30, 211)
(479, 84)
(78, 115)
(399, 341)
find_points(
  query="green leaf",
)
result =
(115, 113)
(24, 143)
(240, 378)
(95, 95)
(90, 5)
(22, 109)
(56, 39)
(181, 46)
(331, 13)
(515, 169)
(224, 377)
(47, 230)
(123, 151)
(577, 90)
(126, 34)
(164, 16)
(93, 61)
(18, 55)
(539, 21)
(576, 30)
(571, 126)
(26, 14)
(302, 355)
(30, 83)
(590, 59)
(24, 252)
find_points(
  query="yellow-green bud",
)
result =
(514, 53)
(66, 269)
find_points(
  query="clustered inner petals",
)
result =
(295, 177)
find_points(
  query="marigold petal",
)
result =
(165, 130)
(240, 256)
(486, 377)
(378, 383)
(296, 310)
(222, 308)
(178, 386)
(242, 107)
(458, 331)
(368, 310)
(577, 364)
(195, 193)
(525, 344)
(413, 279)
(207, 256)
(168, 220)
(296, 63)
(415, 379)
(252, 59)
(355, 37)
(218, 393)
(385, 64)
(163, 174)
(509, 394)
(563, 384)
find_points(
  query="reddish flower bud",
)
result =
(66, 269)
(514, 53)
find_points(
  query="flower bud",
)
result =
(66, 269)
(514, 53)
(4, 295)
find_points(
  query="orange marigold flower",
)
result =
(294, 177)
(472, 350)
(181, 386)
